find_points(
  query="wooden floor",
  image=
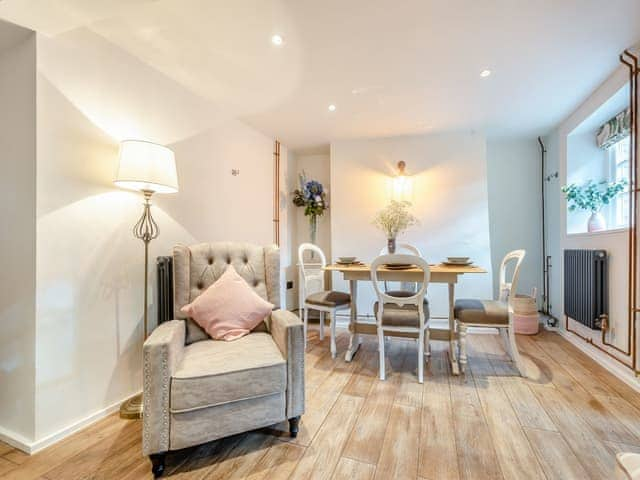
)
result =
(566, 421)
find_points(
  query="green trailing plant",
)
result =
(592, 196)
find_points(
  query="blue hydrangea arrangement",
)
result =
(312, 196)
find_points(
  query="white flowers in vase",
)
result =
(394, 219)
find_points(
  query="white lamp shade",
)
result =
(146, 166)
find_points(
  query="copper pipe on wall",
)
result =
(590, 341)
(633, 164)
(631, 349)
(276, 192)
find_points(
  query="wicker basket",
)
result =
(525, 314)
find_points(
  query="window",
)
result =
(619, 170)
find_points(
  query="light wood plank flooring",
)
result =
(566, 421)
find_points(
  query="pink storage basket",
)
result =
(526, 324)
(525, 314)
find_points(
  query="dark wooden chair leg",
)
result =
(157, 464)
(294, 423)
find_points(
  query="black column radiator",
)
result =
(586, 286)
(164, 270)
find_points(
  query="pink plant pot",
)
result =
(526, 324)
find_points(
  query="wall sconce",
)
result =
(402, 186)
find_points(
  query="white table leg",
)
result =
(453, 356)
(354, 339)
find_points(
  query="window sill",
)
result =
(611, 231)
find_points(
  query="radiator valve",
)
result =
(604, 322)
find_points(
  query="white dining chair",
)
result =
(492, 313)
(313, 295)
(405, 288)
(402, 314)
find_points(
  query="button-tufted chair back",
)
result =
(196, 267)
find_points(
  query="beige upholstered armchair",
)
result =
(197, 389)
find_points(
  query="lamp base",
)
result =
(131, 409)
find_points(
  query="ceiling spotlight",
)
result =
(485, 73)
(277, 40)
(332, 108)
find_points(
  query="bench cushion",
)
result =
(402, 316)
(481, 312)
(329, 298)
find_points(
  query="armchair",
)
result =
(197, 389)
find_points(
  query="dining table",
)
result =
(440, 273)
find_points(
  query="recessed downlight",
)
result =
(485, 73)
(277, 40)
(332, 108)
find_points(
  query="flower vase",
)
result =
(313, 227)
(596, 223)
(391, 246)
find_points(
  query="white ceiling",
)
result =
(390, 67)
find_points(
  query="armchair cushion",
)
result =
(214, 373)
(229, 308)
(196, 267)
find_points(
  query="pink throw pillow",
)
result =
(229, 308)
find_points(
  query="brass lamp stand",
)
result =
(148, 168)
(146, 229)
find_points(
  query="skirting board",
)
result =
(623, 373)
(21, 443)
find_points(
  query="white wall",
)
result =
(91, 95)
(18, 234)
(316, 165)
(584, 161)
(554, 201)
(513, 175)
(450, 199)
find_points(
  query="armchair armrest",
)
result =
(287, 332)
(161, 352)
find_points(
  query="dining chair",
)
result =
(405, 288)
(402, 315)
(492, 313)
(313, 295)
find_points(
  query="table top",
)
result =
(437, 268)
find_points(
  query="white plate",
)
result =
(458, 259)
(347, 259)
(458, 264)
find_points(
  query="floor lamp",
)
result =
(149, 168)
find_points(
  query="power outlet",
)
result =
(289, 284)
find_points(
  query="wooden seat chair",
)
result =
(492, 313)
(402, 315)
(313, 295)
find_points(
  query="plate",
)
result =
(399, 266)
(346, 259)
(349, 263)
(457, 264)
(458, 259)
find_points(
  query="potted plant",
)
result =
(394, 219)
(312, 196)
(591, 197)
